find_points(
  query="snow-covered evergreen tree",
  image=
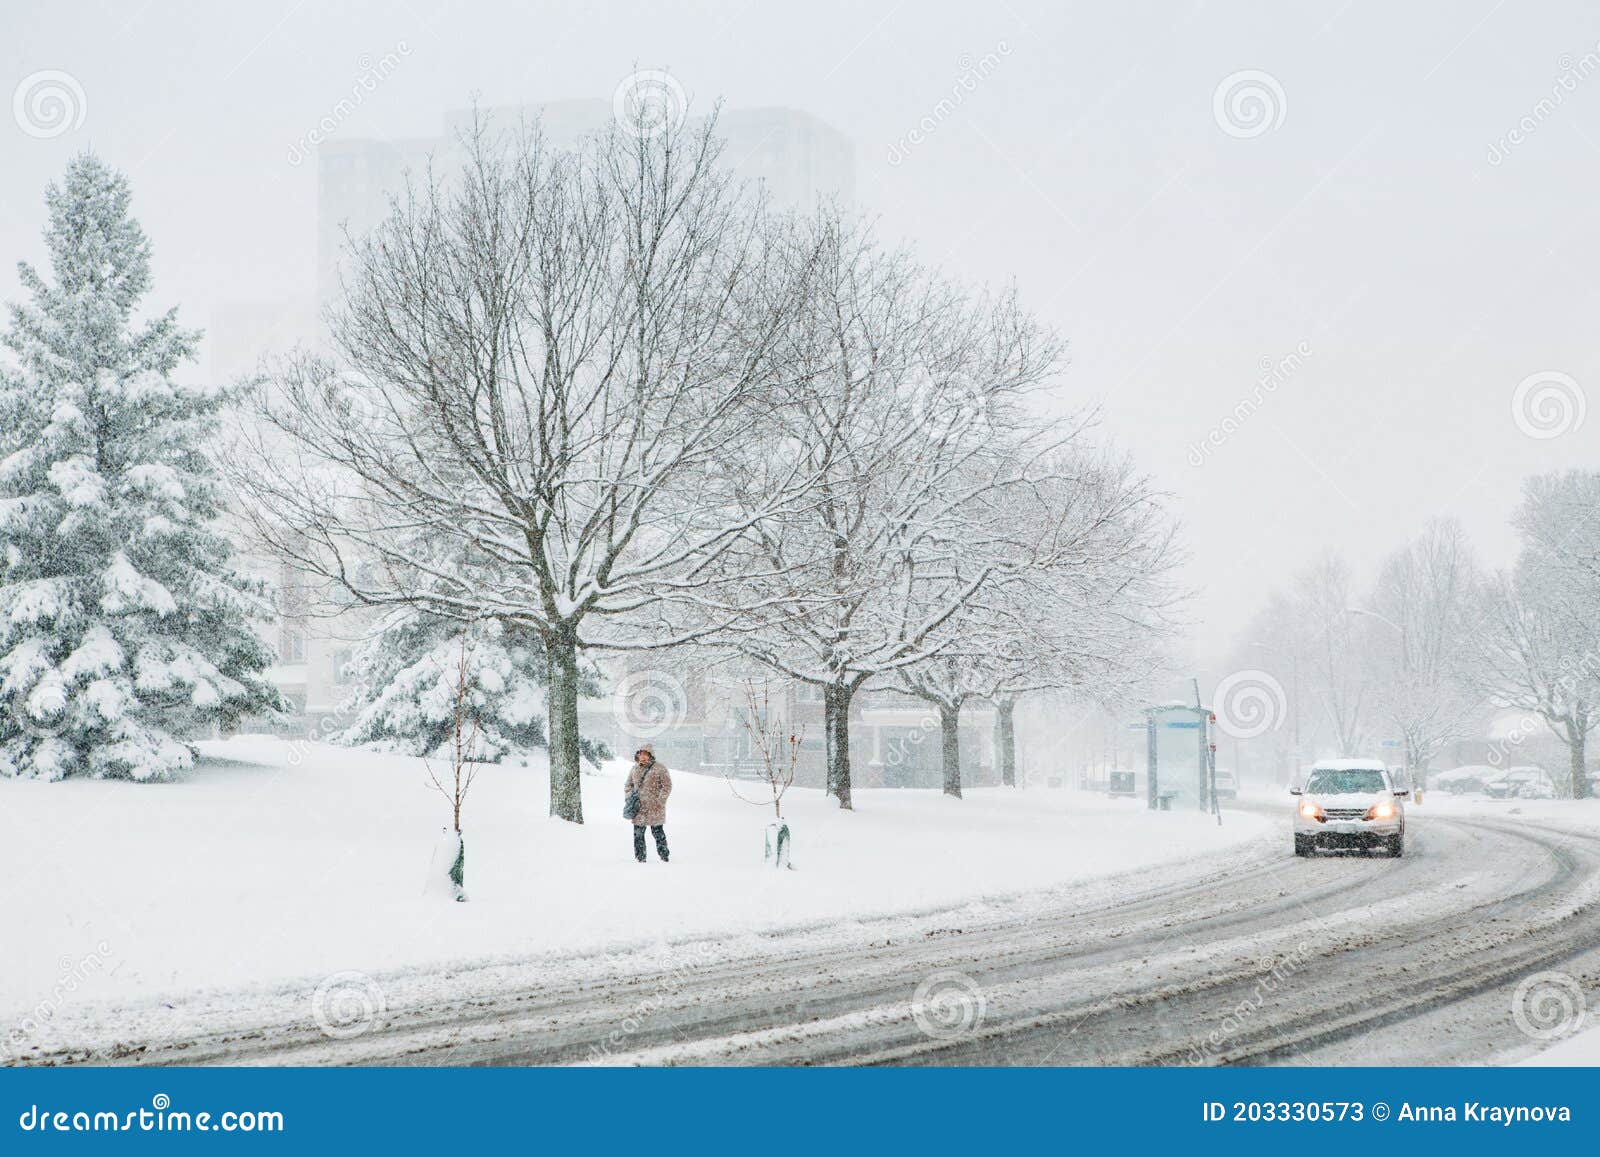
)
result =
(407, 681)
(124, 628)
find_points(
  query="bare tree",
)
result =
(1423, 610)
(1079, 611)
(902, 404)
(1539, 649)
(544, 364)
(776, 741)
(1559, 521)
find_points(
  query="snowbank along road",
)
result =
(1481, 944)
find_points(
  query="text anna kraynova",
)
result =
(1481, 1114)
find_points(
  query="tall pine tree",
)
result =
(125, 630)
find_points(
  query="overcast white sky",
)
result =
(1369, 223)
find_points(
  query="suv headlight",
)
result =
(1311, 810)
(1382, 810)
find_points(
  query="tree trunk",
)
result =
(1005, 740)
(836, 732)
(950, 747)
(566, 757)
(1580, 780)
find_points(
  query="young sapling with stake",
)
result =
(779, 748)
(464, 763)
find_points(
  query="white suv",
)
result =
(1351, 803)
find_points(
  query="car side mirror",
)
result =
(1294, 791)
(1404, 791)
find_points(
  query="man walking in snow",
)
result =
(653, 782)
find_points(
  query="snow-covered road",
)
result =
(1248, 957)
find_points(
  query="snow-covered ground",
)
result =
(1571, 813)
(1581, 1048)
(277, 861)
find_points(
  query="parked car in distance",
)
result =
(1521, 783)
(1227, 784)
(1461, 780)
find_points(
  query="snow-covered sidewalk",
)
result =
(279, 862)
(1578, 815)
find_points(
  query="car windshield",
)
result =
(1359, 781)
